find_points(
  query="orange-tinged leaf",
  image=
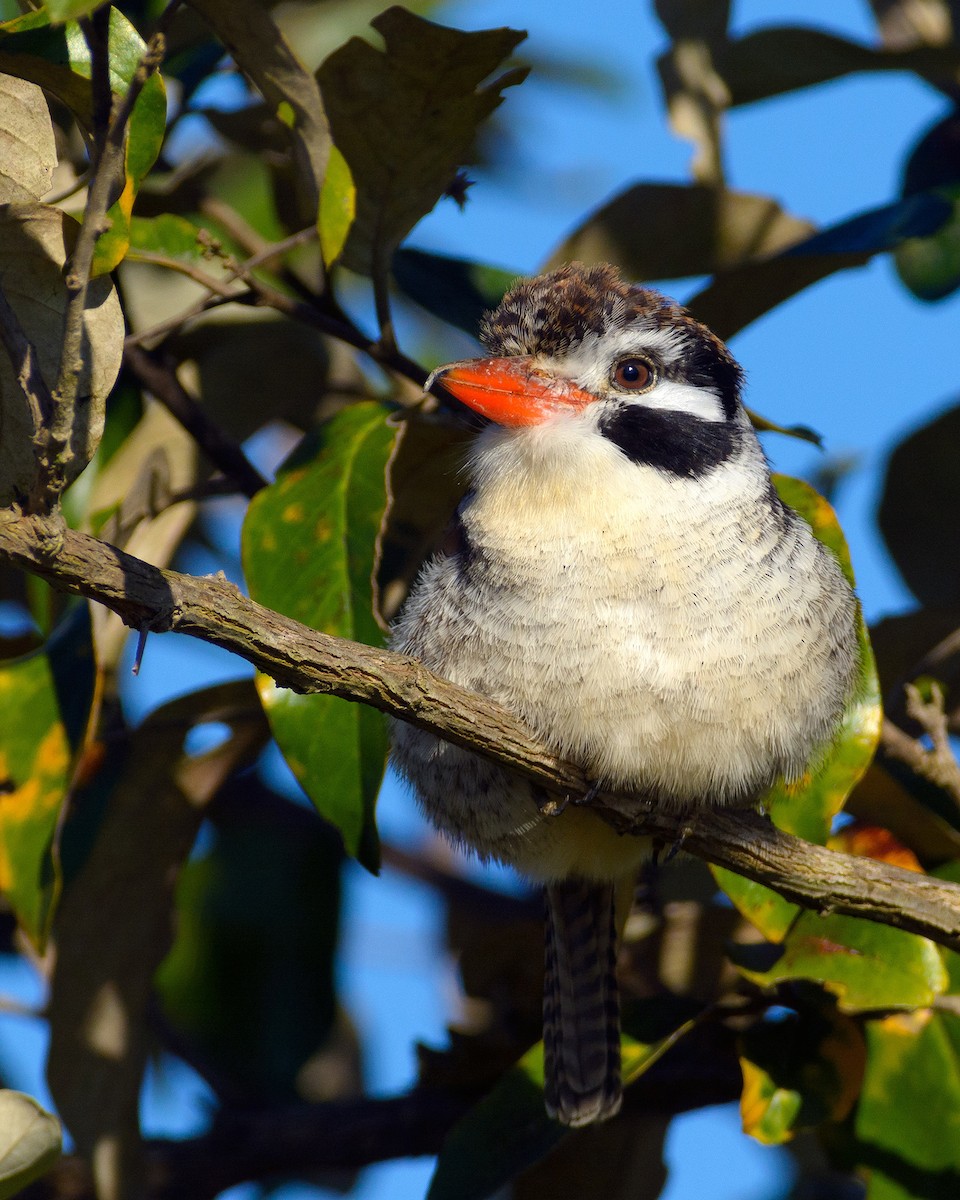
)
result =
(767, 1112)
(865, 965)
(872, 841)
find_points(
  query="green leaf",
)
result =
(58, 59)
(30, 1141)
(405, 119)
(865, 965)
(167, 234)
(509, 1130)
(71, 10)
(455, 289)
(807, 807)
(309, 551)
(34, 773)
(930, 266)
(908, 1118)
(338, 207)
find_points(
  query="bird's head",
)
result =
(578, 344)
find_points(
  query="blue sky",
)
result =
(855, 357)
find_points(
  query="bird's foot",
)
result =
(548, 804)
(552, 806)
(588, 797)
(665, 852)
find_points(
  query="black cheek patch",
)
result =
(676, 442)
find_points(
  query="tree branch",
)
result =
(304, 660)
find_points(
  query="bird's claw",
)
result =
(665, 852)
(552, 806)
(548, 804)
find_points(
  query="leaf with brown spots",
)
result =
(309, 551)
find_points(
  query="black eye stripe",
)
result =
(675, 442)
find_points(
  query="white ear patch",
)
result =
(671, 396)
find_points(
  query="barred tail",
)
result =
(581, 1004)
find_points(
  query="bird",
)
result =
(623, 576)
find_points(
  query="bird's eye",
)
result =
(633, 374)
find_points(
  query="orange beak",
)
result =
(510, 391)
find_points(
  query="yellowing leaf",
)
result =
(58, 59)
(34, 772)
(338, 207)
(865, 965)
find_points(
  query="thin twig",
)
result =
(69, 190)
(213, 286)
(159, 331)
(337, 325)
(222, 450)
(108, 166)
(936, 764)
(218, 292)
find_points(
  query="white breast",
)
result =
(672, 635)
